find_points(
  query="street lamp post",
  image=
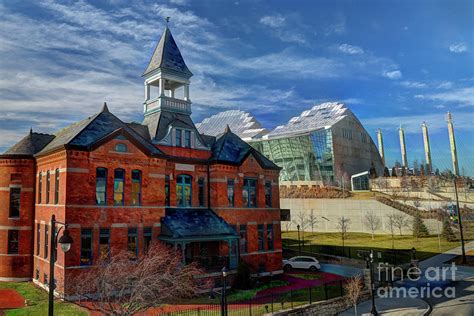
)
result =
(65, 241)
(224, 294)
(413, 253)
(299, 242)
(373, 311)
(460, 222)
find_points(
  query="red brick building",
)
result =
(122, 185)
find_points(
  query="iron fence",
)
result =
(263, 304)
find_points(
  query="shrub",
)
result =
(448, 232)
(243, 280)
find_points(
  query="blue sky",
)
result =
(391, 62)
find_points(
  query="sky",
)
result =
(390, 62)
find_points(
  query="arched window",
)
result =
(119, 186)
(183, 190)
(40, 187)
(121, 148)
(136, 187)
(48, 186)
(101, 186)
(167, 190)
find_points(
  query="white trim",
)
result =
(156, 175)
(119, 225)
(3, 227)
(15, 255)
(6, 279)
(218, 180)
(16, 186)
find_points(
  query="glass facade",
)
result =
(305, 157)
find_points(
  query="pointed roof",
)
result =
(230, 148)
(86, 133)
(29, 145)
(167, 56)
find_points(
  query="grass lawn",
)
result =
(327, 242)
(38, 301)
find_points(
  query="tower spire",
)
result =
(452, 142)
(403, 149)
(426, 143)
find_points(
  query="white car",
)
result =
(301, 262)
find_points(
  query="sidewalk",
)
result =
(392, 307)
(439, 260)
(462, 272)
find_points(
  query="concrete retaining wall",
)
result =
(330, 307)
(355, 210)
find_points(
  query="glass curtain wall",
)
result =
(303, 158)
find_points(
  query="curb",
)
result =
(429, 309)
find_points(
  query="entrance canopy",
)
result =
(188, 224)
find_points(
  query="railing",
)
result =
(211, 262)
(261, 305)
(168, 103)
(176, 104)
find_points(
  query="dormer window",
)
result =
(187, 139)
(179, 133)
(122, 148)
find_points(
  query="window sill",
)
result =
(14, 218)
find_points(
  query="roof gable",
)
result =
(231, 148)
(88, 132)
(30, 144)
(167, 56)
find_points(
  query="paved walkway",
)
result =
(296, 283)
(10, 299)
(462, 272)
(392, 307)
(439, 260)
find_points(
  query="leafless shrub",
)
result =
(120, 286)
(372, 221)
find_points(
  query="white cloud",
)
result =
(179, 2)
(338, 26)
(440, 106)
(461, 97)
(350, 49)
(445, 85)
(458, 47)
(413, 84)
(275, 21)
(411, 124)
(394, 74)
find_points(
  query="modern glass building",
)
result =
(326, 143)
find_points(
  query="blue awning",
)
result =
(189, 224)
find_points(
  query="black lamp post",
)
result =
(299, 241)
(373, 311)
(224, 294)
(413, 253)
(65, 241)
(463, 248)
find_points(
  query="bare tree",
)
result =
(120, 286)
(400, 220)
(353, 289)
(287, 226)
(343, 227)
(372, 221)
(391, 227)
(302, 221)
(312, 220)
